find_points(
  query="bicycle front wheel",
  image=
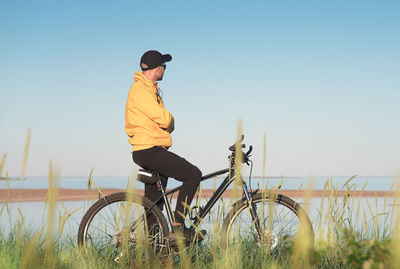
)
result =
(280, 220)
(122, 220)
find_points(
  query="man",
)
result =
(149, 125)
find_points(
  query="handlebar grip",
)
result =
(249, 151)
(240, 140)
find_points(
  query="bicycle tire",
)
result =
(280, 202)
(105, 204)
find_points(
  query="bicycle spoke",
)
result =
(278, 224)
(122, 221)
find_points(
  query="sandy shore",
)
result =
(31, 195)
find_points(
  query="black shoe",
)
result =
(187, 234)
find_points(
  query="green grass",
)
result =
(346, 237)
(25, 249)
(344, 244)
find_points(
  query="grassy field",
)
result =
(26, 249)
(347, 236)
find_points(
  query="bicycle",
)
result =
(107, 221)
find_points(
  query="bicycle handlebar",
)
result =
(233, 147)
(245, 155)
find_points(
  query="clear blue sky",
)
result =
(320, 78)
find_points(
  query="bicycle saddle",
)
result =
(147, 176)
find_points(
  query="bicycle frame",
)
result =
(214, 198)
(217, 194)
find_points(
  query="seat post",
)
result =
(166, 201)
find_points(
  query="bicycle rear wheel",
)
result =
(120, 220)
(281, 219)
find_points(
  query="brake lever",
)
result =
(249, 151)
(247, 155)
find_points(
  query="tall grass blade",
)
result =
(238, 162)
(3, 160)
(348, 181)
(25, 159)
(51, 200)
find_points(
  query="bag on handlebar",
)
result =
(146, 176)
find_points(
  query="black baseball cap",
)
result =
(152, 59)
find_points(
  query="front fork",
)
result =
(253, 211)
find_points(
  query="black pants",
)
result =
(168, 164)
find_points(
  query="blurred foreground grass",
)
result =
(347, 236)
(26, 249)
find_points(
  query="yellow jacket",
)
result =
(147, 122)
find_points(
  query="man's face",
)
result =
(160, 72)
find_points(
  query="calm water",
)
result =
(372, 183)
(33, 214)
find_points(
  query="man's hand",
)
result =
(171, 126)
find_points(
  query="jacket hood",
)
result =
(139, 77)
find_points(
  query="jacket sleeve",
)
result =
(147, 103)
